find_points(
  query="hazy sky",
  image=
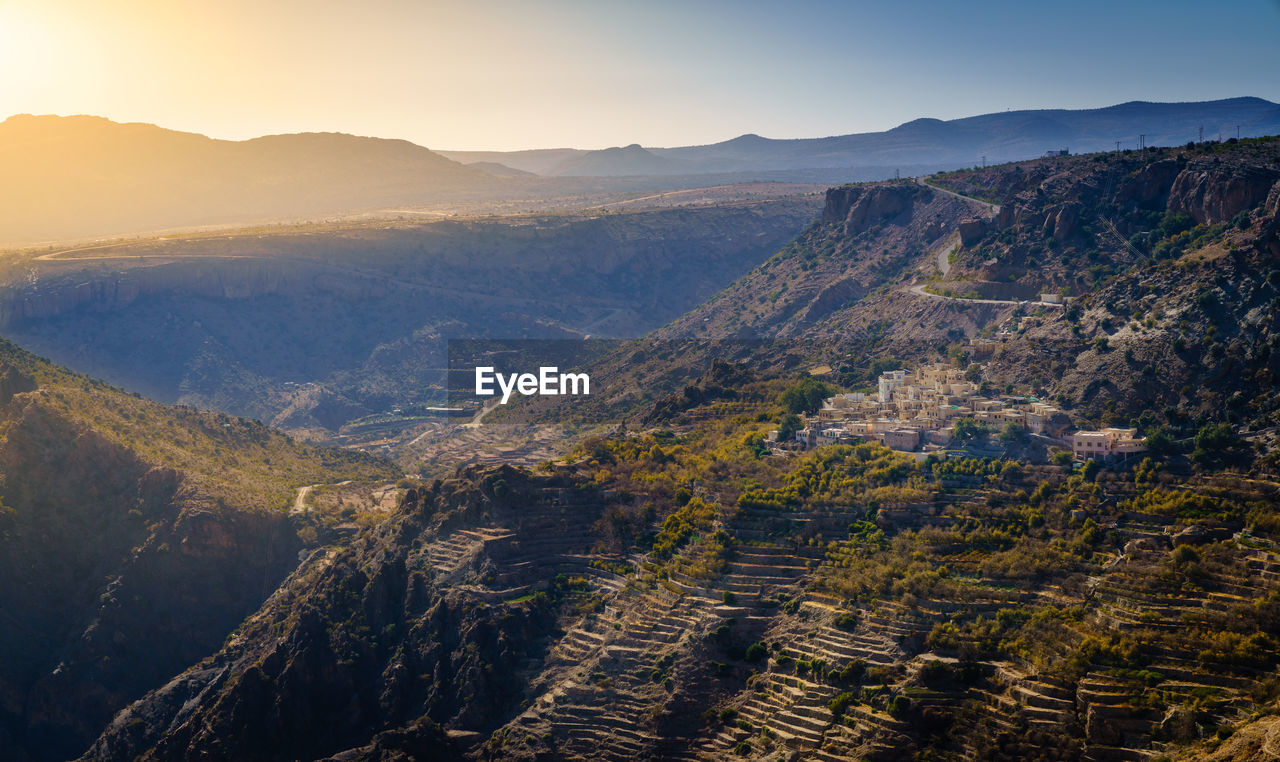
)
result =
(506, 74)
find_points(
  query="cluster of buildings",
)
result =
(918, 412)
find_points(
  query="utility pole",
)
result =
(1117, 146)
(896, 176)
(1201, 140)
(1237, 132)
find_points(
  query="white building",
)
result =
(889, 381)
(1107, 444)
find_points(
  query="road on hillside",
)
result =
(950, 244)
(54, 256)
(920, 291)
(992, 209)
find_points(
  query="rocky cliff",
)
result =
(238, 322)
(401, 632)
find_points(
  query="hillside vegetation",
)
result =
(683, 588)
(133, 538)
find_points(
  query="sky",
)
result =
(514, 74)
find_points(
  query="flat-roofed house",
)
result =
(1107, 444)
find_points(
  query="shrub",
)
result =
(756, 652)
(935, 672)
(1012, 433)
(853, 671)
(840, 703)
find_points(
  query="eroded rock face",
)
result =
(862, 206)
(1149, 186)
(381, 650)
(1269, 237)
(1211, 196)
(1066, 222)
(972, 231)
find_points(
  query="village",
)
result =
(937, 408)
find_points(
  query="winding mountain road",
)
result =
(944, 256)
(992, 209)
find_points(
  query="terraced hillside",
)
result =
(852, 603)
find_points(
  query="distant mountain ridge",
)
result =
(1005, 136)
(78, 177)
(85, 175)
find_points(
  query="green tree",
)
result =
(967, 429)
(1160, 442)
(1216, 444)
(805, 396)
(1012, 433)
(788, 427)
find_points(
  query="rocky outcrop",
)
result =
(365, 649)
(13, 382)
(1066, 222)
(861, 206)
(1212, 195)
(832, 297)
(1149, 186)
(972, 230)
(238, 279)
(1269, 235)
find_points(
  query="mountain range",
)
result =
(82, 176)
(1005, 136)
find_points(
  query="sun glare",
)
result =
(20, 34)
